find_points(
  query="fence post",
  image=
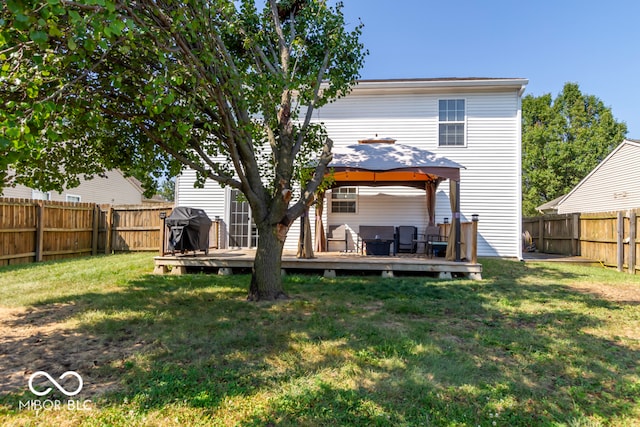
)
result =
(109, 230)
(620, 241)
(96, 230)
(575, 235)
(39, 230)
(632, 243)
(541, 233)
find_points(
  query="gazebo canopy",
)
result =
(384, 163)
(380, 162)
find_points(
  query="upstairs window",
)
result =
(451, 122)
(344, 200)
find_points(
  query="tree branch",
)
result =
(315, 182)
(311, 107)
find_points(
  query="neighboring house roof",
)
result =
(112, 188)
(610, 186)
(156, 198)
(551, 206)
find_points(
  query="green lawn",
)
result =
(531, 344)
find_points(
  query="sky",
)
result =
(595, 44)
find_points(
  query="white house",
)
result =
(112, 188)
(611, 186)
(474, 122)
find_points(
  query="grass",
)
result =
(532, 344)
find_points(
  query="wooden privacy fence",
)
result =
(608, 237)
(34, 230)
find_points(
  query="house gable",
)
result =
(610, 186)
(113, 188)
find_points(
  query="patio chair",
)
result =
(337, 233)
(407, 236)
(437, 245)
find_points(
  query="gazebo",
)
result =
(381, 162)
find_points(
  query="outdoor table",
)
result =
(378, 246)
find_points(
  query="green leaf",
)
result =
(20, 17)
(39, 36)
(75, 16)
(13, 6)
(54, 31)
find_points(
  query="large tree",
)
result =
(226, 88)
(563, 139)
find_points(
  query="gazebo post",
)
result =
(457, 222)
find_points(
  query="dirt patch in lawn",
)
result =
(39, 339)
(619, 293)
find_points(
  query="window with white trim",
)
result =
(344, 200)
(451, 122)
(40, 195)
(73, 198)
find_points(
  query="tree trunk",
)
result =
(266, 276)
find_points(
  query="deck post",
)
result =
(163, 236)
(457, 222)
(474, 239)
(217, 232)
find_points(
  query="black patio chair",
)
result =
(407, 236)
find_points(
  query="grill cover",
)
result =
(188, 229)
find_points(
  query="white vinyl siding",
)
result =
(490, 182)
(216, 202)
(490, 185)
(612, 186)
(213, 199)
(113, 189)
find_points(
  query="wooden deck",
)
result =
(330, 264)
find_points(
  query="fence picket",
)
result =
(607, 237)
(33, 230)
